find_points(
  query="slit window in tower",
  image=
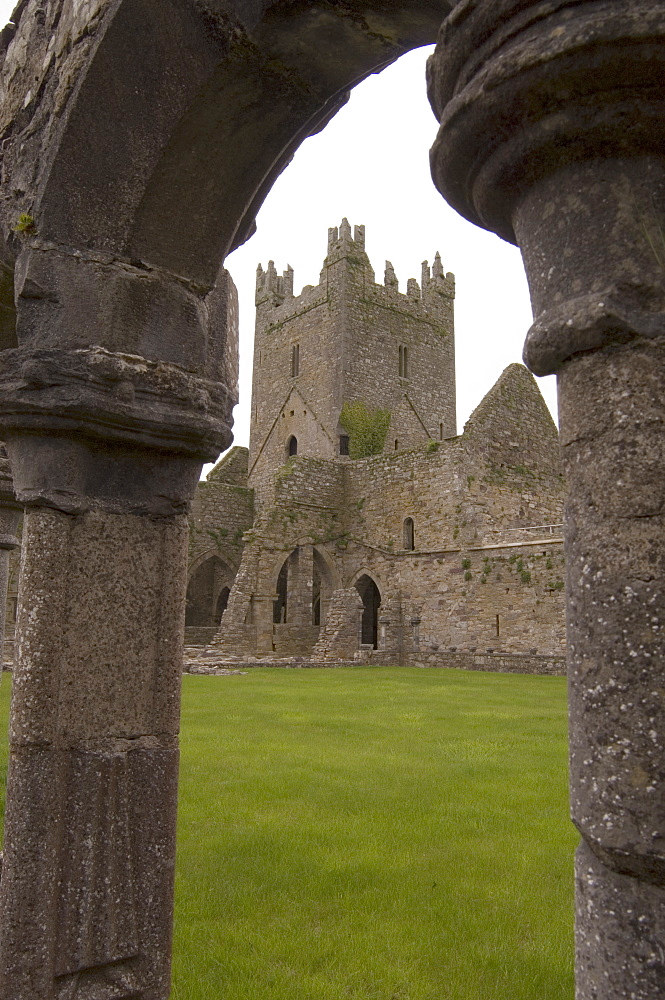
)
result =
(403, 361)
(344, 444)
(441, 432)
(295, 360)
(409, 534)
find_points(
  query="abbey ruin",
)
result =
(139, 139)
(359, 525)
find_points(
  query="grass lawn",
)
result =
(372, 834)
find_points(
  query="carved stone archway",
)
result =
(140, 137)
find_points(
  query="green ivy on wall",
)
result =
(366, 427)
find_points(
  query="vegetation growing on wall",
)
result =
(366, 427)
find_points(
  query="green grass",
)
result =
(372, 834)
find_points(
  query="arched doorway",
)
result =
(208, 593)
(371, 598)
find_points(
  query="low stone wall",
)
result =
(490, 662)
(504, 663)
(199, 635)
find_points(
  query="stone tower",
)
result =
(350, 352)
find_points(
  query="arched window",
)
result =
(409, 534)
(292, 446)
(403, 361)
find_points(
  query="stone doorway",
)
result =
(371, 598)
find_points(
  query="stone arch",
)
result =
(292, 446)
(326, 557)
(229, 125)
(210, 577)
(204, 556)
(409, 533)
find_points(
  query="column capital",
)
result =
(552, 132)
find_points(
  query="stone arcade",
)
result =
(139, 138)
(372, 529)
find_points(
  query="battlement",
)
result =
(341, 236)
(432, 295)
(273, 287)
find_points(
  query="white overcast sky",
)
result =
(370, 164)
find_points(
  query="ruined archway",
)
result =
(370, 595)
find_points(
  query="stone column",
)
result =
(391, 628)
(553, 135)
(262, 612)
(106, 446)
(10, 515)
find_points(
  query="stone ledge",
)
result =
(505, 663)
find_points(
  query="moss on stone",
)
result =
(366, 427)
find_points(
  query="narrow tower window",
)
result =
(403, 361)
(344, 444)
(409, 534)
(292, 446)
(295, 360)
(441, 431)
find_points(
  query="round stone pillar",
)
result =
(106, 445)
(10, 515)
(553, 136)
